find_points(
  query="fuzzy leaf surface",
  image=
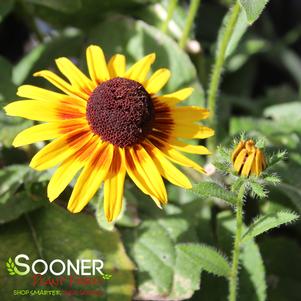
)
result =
(267, 222)
(207, 257)
(164, 271)
(214, 190)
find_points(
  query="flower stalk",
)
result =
(193, 9)
(218, 67)
(233, 279)
(170, 11)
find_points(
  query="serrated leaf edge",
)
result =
(248, 233)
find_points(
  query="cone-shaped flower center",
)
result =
(120, 111)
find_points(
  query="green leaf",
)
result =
(11, 178)
(264, 223)
(10, 127)
(253, 8)
(207, 257)
(284, 111)
(65, 6)
(272, 179)
(5, 8)
(7, 88)
(282, 256)
(293, 192)
(52, 233)
(257, 189)
(214, 190)
(68, 43)
(19, 204)
(164, 270)
(90, 13)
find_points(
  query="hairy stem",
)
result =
(194, 6)
(236, 249)
(170, 11)
(218, 68)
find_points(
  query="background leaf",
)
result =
(5, 7)
(164, 272)
(253, 8)
(282, 280)
(208, 258)
(66, 6)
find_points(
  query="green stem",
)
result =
(170, 11)
(218, 68)
(193, 8)
(236, 249)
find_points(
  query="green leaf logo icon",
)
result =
(10, 265)
(12, 269)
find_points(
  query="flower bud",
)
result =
(247, 159)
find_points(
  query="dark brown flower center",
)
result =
(120, 111)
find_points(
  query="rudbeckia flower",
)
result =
(107, 125)
(247, 159)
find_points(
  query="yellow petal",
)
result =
(97, 65)
(44, 110)
(259, 163)
(33, 109)
(41, 132)
(189, 148)
(188, 114)
(75, 76)
(193, 131)
(139, 70)
(113, 186)
(237, 150)
(68, 169)
(61, 84)
(263, 159)
(145, 174)
(37, 93)
(176, 156)
(60, 149)
(166, 168)
(248, 165)
(176, 97)
(157, 81)
(250, 146)
(240, 160)
(91, 178)
(117, 66)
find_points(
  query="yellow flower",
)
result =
(107, 125)
(248, 159)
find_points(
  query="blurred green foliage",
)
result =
(154, 254)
